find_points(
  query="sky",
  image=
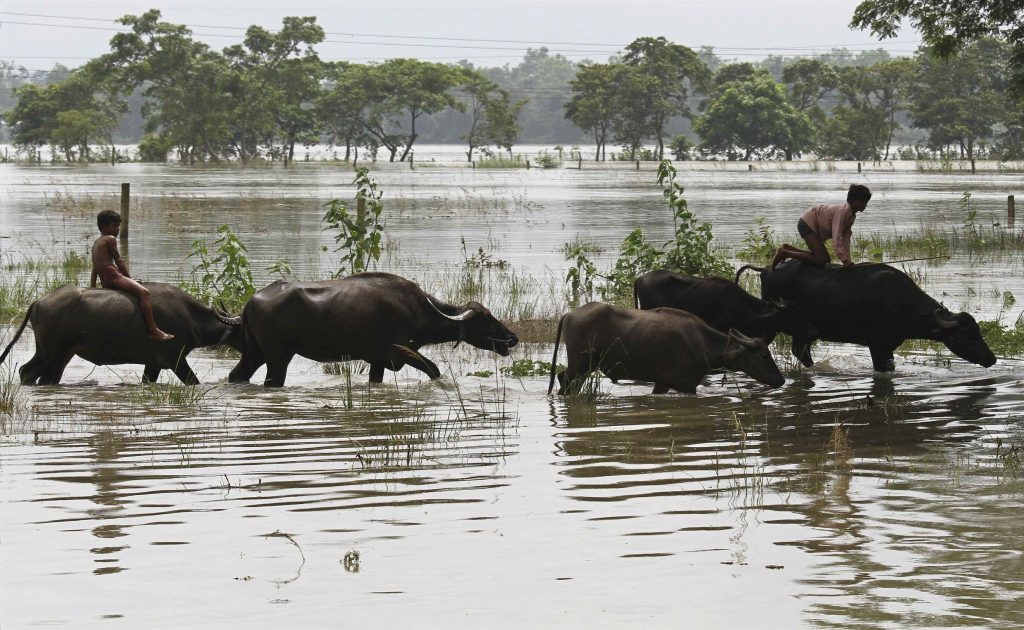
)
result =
(487, 33)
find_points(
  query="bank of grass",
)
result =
(10, 391)
(168, 394)
(23, 282)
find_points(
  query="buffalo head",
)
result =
(960, 333)
(790, 319)
(232, 335)
(752, 357)
(482, 330)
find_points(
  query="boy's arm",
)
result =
(841, 233)
(115, 255)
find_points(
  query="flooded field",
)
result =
(843, 499)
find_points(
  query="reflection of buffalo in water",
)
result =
(106, 327)
(379, 318)
(672, 348)
(872, 305)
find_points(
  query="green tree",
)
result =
(593, 103)
(753, 118)
(187, 84)
(950, 26)
(809, 81)
(342, 105)
(862, 127)
(416, 88)
(669, 74)
(277, 78)
(542, 78)
(491, 112)
(960, 99)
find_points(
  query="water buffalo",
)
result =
(380, 318)
(722, 304)
(872, 305)
(672, 348)
(105, 326)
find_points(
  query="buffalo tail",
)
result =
(554, 356)
(740, 271)
(17, 335)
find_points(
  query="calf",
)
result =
(672, 348)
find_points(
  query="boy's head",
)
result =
(858, 197)
(107, 217)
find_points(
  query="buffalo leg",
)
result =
(660, 388)
(55, 370)
(882, 359)
(801, 349)
(150, 373)
(246, 367)
(403, 355)
(185, 373)
(377, 372)
(277, 370)
(31, 372)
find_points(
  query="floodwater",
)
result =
(843, 499)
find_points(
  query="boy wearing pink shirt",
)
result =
(822, 223)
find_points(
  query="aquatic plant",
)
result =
(689, 252)
(759, 243)
(501, 161)
(168, 394)
(222, 276)
(10, 391)
(359, 236)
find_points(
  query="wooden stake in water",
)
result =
(125, 196)
(1010, 211)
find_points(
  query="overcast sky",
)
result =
(37, 34)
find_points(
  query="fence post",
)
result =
(972, 166)
(360, 209)
(1010, 211)
(638, 165)
(125, 197)
(527, 164)
(858, 167)
(750, 167)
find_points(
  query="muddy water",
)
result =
(842, 499)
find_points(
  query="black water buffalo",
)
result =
(872, 305)
(722, 304)
(105, 326)
(380, 318)
(672, 348)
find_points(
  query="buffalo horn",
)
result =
(230, 321)
(740, 337)
(461, 317)
(943, 321)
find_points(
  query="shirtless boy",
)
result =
(113, 273)
(825, 222)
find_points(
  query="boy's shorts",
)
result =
(803, 228)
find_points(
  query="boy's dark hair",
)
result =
(858, 192)
(107, 217)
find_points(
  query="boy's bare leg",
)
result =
(147, 314)
(129, 285)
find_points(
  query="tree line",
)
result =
(263, 97)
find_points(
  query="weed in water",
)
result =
(221, 276)
(358, 237)
(168, 394)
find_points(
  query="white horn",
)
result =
(461, 317)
